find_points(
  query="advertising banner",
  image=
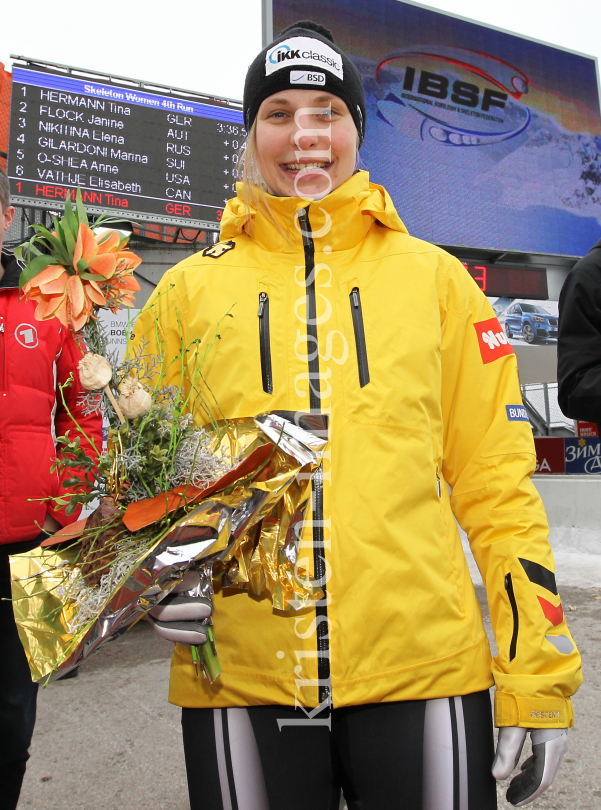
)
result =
(586, 429)
(483, 138)
(557, 456)
(583, 456)
(116, 325)
(527, 322)
(550, 456)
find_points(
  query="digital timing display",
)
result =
(509, 282)
(153, 157)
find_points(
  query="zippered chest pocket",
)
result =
(359, 330)
(394, 378)
(265, 343)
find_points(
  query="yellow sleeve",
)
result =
(161, 331)
(488, 461)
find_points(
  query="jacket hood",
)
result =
(338, 221)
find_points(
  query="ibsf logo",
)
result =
(492, 340)
(462, 97)
(27, 335)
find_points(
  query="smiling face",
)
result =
(306, 143)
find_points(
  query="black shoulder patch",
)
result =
(539, 575)
(215, 251)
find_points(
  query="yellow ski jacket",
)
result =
(338, 309)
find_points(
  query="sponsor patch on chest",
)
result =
(517, 413)
(492, 340)
(27, 335)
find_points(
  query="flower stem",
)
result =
(210, 662)
(113, 401)
(212, 667)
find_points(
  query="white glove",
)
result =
(549, 746)
(182, 617)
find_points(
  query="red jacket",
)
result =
(35, 357)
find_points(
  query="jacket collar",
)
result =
(12, 270)
(338, 221)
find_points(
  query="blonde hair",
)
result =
(254, 188)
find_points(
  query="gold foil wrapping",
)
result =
(247, 535)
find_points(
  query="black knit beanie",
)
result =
(304, 56)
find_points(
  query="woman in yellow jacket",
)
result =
(381, 690)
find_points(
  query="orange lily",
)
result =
(119, 290)
(98, 251)
(71, 298)
(62, 296)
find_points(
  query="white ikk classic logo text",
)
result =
(27, 335)
(301, 51)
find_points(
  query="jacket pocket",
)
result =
(359, 330)
(516, 618)
(265, 343)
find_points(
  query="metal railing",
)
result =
(540, 400)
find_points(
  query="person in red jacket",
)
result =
(35, 358)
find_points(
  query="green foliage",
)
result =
(81, 469)
(34, 266)
(46, 248)
(142, 450)
(140, 461)
(145, 449)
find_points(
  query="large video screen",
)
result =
(164, 158)
(483, 138)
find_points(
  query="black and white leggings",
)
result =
(414, 755)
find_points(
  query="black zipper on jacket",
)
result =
(323, 643)
(516, 618)
(357, 314)
(265, 343)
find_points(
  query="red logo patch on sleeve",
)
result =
(492, 340)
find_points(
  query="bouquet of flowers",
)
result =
(225, 498)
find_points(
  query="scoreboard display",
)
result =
(157, 158)
(509, 282)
